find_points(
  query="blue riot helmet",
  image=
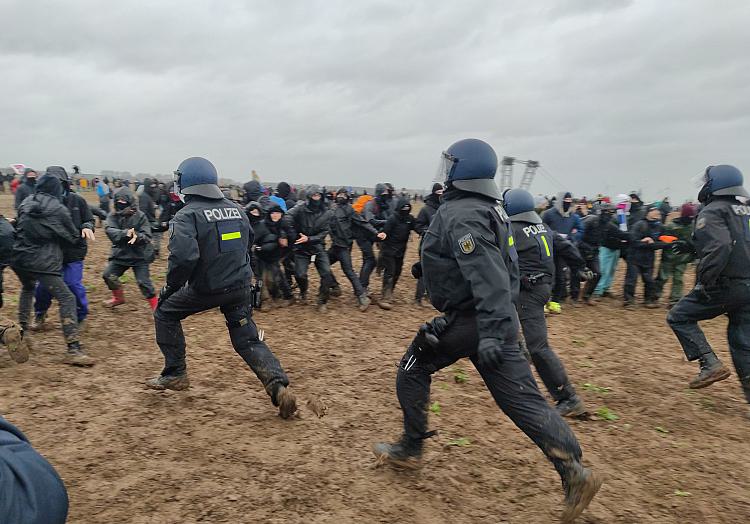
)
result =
(520, 206)
(197, 176)
(470, 165)
(721, 180)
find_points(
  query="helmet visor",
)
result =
(446, 166)
(701, 179)
(176, 178)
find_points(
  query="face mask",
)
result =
(121, 206)
(566, 206)
(405, 211)
(341, 200)
(315, 204)
(31, 180)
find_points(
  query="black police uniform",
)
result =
(536, 245)
(209, 267)
(470, 270)
(722, 239)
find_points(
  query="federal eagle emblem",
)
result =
(467, 245)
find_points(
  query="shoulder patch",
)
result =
(467, 245)
(700, 223)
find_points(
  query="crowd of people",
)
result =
(494, 265)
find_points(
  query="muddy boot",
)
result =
(385, 300)
(571, 407)
(364, 302)
(174, 382)
(77, 357)
(652, 305)
(580, 485)
(712, 370)
(302, 300)
(335, 291)
(37, 323)
(322, 308)
(15, 342)
(284, 399)
(286, 302)
(118, 297)
(402, 454)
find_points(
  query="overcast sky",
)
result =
(609, 95)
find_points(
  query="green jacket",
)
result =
(682, 228)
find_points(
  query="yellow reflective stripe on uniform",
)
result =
(231, 236)
(546, 245)
(511, 241)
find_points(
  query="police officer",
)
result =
(209, 267)
(722, 241)
(470, 272)
(536, 245)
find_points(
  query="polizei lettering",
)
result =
(222, 213)
(741, 210)
(534, 230)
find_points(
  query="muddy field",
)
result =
(219, 453)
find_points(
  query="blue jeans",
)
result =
(608, 259)
(73, 277)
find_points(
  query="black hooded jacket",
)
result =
(313, 221)
(118, 223)
(644, 253)
(44, 226)
(347, 225)
(397, 228)
(268, 233)
(80, 213)
(252, 192)
(284, 191)
(424, 217)
(147, 203)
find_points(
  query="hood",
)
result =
(125, 194)
(26, 176)
(253, 190)
(401, 202)
(274, 207)
(49, 185)
(312, 189)
(283, 190)
(379, 189)
(559, 203)
(62, 175)
(432, 200)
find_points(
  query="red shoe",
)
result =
(118, 297)
(153, 301)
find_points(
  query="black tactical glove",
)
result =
(164, 294)
(586, 274)
(490, 352)
(680, 247)
(416, 270)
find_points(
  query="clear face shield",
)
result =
(446, 166)
(701, 178)
(177, 188)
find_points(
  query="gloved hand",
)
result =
(490, 352)
(416, 270)
(680, 247)
(586, 274)
(164, 294)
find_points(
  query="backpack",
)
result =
(359, 204)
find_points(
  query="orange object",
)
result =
(668, 239)
(359, 204)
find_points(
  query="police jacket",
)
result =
(43, 227)
(82, 217)
(398, 227)
(315, 223)
(31, 491)
(470, 264)
(208, 246)
(535, 246)
(722, 239)
(424, 217)
(139, 253)
(644, 253)
(347, 224)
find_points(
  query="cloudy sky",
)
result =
(609, 95)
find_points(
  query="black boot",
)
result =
(712, 370)
(570, 404)
(405, 453)
(173, 382)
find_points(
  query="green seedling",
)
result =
(605, 413)
(459, 442)
(124, 279)
(661, 429)
(681, 493)
(435, 408)
(596, 389)
(459, 377)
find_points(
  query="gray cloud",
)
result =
(608, 95)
